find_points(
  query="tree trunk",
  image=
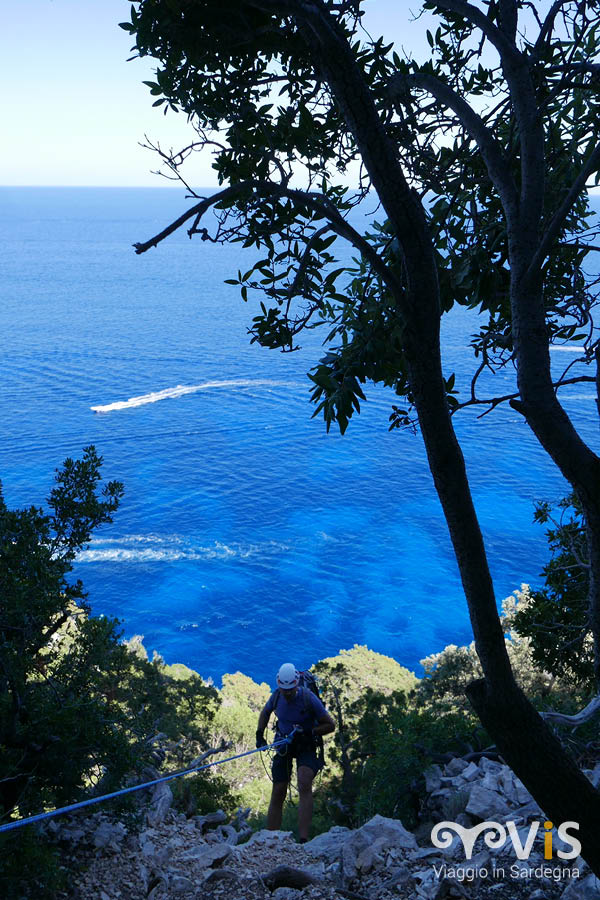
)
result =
(527, 743)
(537, 757)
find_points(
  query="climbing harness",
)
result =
(138, 787)
(283, 741)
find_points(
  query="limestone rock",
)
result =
(433, 779)
(392, 830)
(157, 886)
(594, 775)
(442, 794)
(428, 886)
(176, 842)
(485, 804)
(530, 810)
(581, 865)
(471, 772)
(72, 833)
(587, 888)
(109, 834)
(212, 837)
(179, 884)
(456, 766)
(481, 860)
(491, 781)
(424, 853)
(398, 876)
(364, 848)
(161, 801)
(330, 843)
(147, 847)
(161, 857)
(207, 856)
(269, 837)
(202, 857)
(489, 765)
(223, 876)
(465, 820)
(523, 795)
(351, 850)
(371, 856)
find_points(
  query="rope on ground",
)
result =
(138, 787)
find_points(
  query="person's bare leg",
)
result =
(305, 801)
(275, 813)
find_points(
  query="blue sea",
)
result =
(247, 536)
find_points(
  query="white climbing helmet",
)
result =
(287, 677)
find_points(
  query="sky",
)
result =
(74, 110)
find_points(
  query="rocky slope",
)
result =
(207, 857)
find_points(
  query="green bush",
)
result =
(385, 744)
(204, 793)
(30, 867)
(59, 723)
(78, 709)
(354, 671)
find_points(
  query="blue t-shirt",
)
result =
(304, 709)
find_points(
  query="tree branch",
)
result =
(491, 151)
(298, 278)
(493, 402)
(531, 135)
(503, 45)
(508, 18)
(224, 745)
(198, 210)
(312, 201)
(592, 68)
(562, 212)
(584, 715)
(547, 26)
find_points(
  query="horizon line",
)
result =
(160, 186)
(132, 186)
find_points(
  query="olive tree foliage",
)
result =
(259, 100)
(479, 160)
(555, 618)
(78, 708)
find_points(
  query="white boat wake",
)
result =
(181, 389)
(140, 548)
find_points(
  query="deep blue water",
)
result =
(247, 535)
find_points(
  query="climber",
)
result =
(295, 706)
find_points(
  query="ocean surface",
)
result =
(247, 536)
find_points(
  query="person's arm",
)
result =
(325, 725)
(263, 721)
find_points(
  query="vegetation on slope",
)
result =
(82, 713)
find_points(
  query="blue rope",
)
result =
(139, 787)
